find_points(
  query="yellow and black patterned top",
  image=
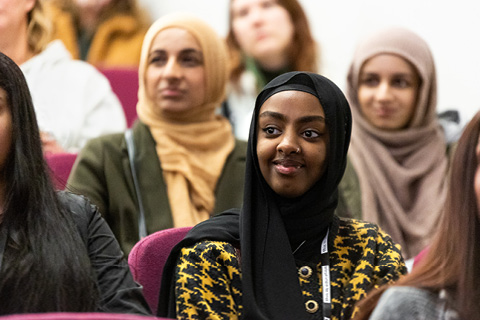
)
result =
(208, 278)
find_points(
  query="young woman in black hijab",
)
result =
(284, 255)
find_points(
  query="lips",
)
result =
(171, 92)
(384, 112)
(287, 166)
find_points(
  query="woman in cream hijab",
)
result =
(398, 159)
(187, 164)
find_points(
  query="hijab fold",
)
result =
(401, 173)
(192, 145)
(268, 225)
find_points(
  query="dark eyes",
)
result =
(191, 60)
(271, 131)
(400, 81)
(274, 132)
(188, 60)
(311, 134)
(370, 81)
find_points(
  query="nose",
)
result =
(172, 70)
(288, 144)
(256, 16)
(383, 92)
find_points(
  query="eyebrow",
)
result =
(281, 117)
(186, 50)
(396, 74)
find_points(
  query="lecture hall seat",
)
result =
(124, 82)
(60, 165)
(147, 259)
(78, 316)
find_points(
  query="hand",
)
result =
(49, 144)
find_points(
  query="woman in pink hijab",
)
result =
(398, 159)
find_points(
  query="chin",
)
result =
(173, 108)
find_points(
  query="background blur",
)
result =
(451, 28)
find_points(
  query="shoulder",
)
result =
(369, 238)
(240, 150)
(350, 201)
(208, 252)
(81, 209)
(108, 142)
(57, 63)
(215, 248)
(98, 150)
(78, 205)
(407, 303)
(358, 229)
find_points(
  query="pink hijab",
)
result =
(402, 174)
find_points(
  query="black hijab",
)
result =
(269, 225)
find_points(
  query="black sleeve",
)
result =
(119, 293)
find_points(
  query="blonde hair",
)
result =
(39, 29)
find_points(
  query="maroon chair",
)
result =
(77, 316)
(147, 259)
(419, 257)
(60, 165)
(124, 82)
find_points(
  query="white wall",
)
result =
(451, 28)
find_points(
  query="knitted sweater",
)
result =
(209, 280)
(399, 303)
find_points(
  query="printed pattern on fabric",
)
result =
(208, 282)
(208, 277)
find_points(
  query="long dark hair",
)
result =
(45, 265)
(303, 52)
(453, 259)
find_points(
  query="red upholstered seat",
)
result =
(77, 316)
(419, 257)
(124, 82)
(147, 259)
(61, 165)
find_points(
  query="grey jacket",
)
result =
(399, 303)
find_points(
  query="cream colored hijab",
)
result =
(193, 145)
(402, 174)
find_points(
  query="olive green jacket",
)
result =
(102, 173)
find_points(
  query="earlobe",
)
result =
(29, 5)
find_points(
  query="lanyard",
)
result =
(327, 306)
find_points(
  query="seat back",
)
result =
(148, 257)
(124, 82)
(60, 165)
(420, 256)
(77, 316)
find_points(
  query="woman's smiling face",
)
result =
(292, 142)
(387, 92)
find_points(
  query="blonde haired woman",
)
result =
(73, 101)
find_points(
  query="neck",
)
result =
(273, 63)
(88, 19)
(15, 46)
